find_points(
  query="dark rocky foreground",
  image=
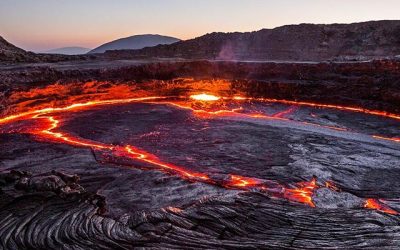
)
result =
(56, 213)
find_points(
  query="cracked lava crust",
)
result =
(198, 170)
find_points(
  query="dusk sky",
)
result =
(39, 25)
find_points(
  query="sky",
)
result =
(40, 25)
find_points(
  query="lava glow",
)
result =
(303, 193)
(49, 130)
(394, 139)
(241, 181)
(58, 136)
(330, 106)
(205, 97)
(147, 157)
(377, 205)
(285, 112)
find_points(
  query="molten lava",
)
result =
(330, 106)
(394, 139)
(147, 157)
(58, 136)
(377, 205)
(48, 129)
(303, 193)
(205, 97)
(332, 186)
(284, 113)
(242, 182)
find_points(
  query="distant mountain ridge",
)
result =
(75, 50)
(304, 42)
(135, 42)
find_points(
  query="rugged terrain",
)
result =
(115, 154)
(242, 181)
(372, 84)
(122, 150)
(9, 54)
(304, 42)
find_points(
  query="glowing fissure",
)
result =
(377, 205)
(76, 106)
(394, 139)
(241, 181)
(302, 193)
(58, 136)
(147, 157)
(286, 112)
(329, 106)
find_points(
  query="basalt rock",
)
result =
(45, 220)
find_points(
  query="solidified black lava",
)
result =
(50, 218)
(72, 198)
(59, 196)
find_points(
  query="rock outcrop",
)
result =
(11, 53)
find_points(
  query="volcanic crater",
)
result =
(196, 163)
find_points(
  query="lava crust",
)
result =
(200, 167)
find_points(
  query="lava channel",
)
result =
(302, 192)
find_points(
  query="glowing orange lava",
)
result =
(285, 112)
(376, 205)
(241, 181)
(205, 97)
(302, 193)
(394, 139)
(147, 157)
(58, 136)
(330, 106)
(332, 186)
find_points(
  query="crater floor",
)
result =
(187, 174)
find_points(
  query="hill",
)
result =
(11, 53)
(135, 42)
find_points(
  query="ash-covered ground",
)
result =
(57, 194)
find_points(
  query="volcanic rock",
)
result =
(327, 198)
(304, 42)
(11, 53)
(247, 221)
